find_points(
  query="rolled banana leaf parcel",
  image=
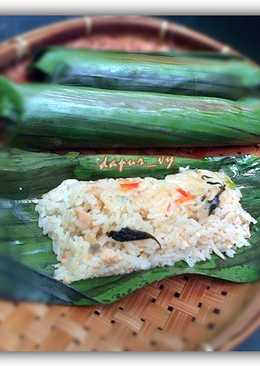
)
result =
(26, 248)
(48, 116)
(169, 72)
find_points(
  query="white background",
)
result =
(110, 7)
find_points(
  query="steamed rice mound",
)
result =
(178, 211)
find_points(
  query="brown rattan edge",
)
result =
(17, 47)
(236, 333)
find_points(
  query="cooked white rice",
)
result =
(78, 216)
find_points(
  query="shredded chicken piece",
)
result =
(84, 218)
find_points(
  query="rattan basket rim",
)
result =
(17, 47)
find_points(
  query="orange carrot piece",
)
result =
(128, 186)
(186, 196)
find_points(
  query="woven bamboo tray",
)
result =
(185, 313)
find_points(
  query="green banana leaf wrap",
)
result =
(51, 117)
(26, 174)
(26, 257)
(166, 72)
(207, 55)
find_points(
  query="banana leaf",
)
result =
(51, 117)
(27, 260)
(24, 174)
(207, 55)
(172, 73)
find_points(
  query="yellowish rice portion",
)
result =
(178, 211)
